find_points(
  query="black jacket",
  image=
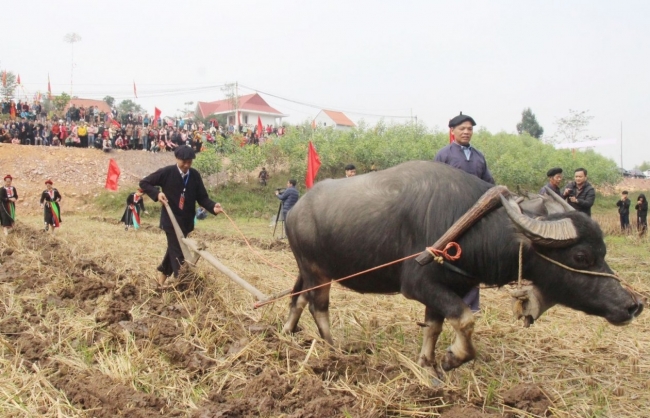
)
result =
(172, 184)
(642, 208)
(586, 197)
(623, 206)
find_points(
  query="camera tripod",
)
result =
(278, 220)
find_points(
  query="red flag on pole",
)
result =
(238, 119)
(113, 175)
(135, 92)
(156, 116)
(260, 128)
(313, 164)
(4, 78)
(18, 79)
(452, 138)
(49, 88)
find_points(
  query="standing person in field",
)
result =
(134, 207)
(580, 194)
(350, 170)
(289, 199)
(181, 187)
(460, 154)
(624, 211)
(641, 214)
(263, 176)
(50, 202)
(554, 179)
(8, 199)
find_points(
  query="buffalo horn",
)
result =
(558, 233)
(558, 199)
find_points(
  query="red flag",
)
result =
(4, 78)
(113, 175)
(135, 92)
(313, 164)
(452, 138)
(49, 88)
(156, 116)
(260, 128)
(238, 119)
(18, 79)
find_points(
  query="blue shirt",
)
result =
(468, 159)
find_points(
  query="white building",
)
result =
(334, 119)
(249, 108)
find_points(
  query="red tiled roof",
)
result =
(339, 118)
(86, 103)
(249, 102)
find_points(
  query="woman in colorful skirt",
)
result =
(8, 199)
(51, 204)
(134, 207)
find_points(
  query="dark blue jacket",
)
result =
(454, 156)
(289, 198)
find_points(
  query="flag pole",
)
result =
(622, 144)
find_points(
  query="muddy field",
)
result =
(85, 333)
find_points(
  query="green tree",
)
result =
(529, 124)
(109, 100)
(61, 101)
(129, 105)
(8, 91)
(643, 166)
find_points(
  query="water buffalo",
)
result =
(345, 226)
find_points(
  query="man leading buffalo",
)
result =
(181, 187)
(460, 154)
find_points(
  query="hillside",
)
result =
(78, 173)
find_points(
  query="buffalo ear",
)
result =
(556, 233)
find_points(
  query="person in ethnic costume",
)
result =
(51, 204)
(8, 199)
(134, 207)
(182, 188)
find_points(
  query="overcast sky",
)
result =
(432, 59)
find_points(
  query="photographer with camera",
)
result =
(580, 194)
(289, 197)
(624, 211)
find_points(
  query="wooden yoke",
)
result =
(485, 204)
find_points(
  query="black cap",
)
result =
(553, 171)
(184, 152)
(457, 120)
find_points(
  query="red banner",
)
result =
(49, 88)
(156, 116)
(452, 138)
(313, 164)
(260, 128)
(135, 92)
(113, 175)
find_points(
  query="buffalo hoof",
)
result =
(431, 365)
(288, 331)
(450, 361)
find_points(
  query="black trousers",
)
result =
(173, 259)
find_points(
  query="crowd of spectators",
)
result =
(93, 128)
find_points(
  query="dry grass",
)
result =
(85, 333)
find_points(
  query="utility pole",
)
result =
(622, 145)
(72, 38)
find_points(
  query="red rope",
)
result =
(444, 253)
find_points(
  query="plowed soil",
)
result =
(85, 332)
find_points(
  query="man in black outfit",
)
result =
(624, 211)
(580, 194)
(182, 187)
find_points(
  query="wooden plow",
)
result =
(192, 250)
